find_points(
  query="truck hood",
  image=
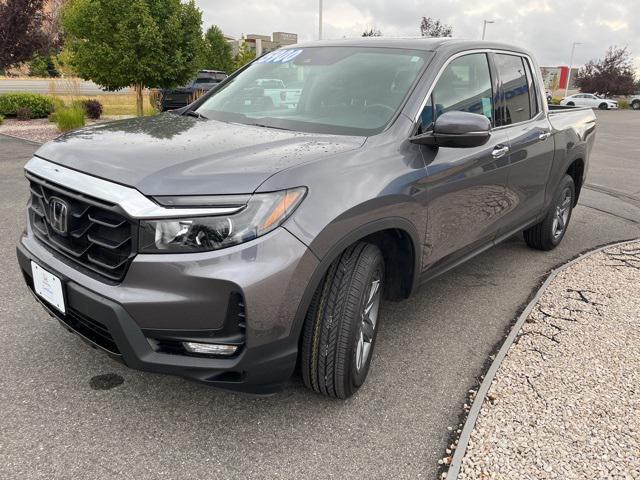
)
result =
(169, 154)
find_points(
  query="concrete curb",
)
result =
(470, 422)
(14, 137)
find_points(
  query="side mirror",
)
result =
(457, 129)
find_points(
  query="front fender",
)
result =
(332, 246)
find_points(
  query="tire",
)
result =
(548, 234)
(571, 104)
(337, 326)
(603, 106)
(635, 104)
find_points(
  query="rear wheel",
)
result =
(548, 234)
(603, 106)
(341, 325)
(635, 104)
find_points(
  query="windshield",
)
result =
(338, 90)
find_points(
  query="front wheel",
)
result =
(571, 104)
(603, 106)
(341, 324)
(548, 234)
(635, 104)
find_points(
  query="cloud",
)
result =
(548, 28)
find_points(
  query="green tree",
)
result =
(372, 32)
(244, 56)
(138, 43)
(430, 27)
(216, 51)
(42, 66)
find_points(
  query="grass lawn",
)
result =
(68, 90)
(112, 103)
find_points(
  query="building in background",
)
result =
(555, 78)
(263, 43)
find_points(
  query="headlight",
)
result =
(263, 213)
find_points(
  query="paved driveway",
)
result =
(430, 351)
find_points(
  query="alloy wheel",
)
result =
(563, 209)
(369, 321)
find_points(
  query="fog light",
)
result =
(209, 348)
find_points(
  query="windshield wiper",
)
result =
(193, 113)
(267, 126)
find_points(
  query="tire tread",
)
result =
(327, 334)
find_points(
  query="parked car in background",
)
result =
(589, 100)
(173, 98)
(276, 91)
(232, 240)
(635, 102)
(271, 83)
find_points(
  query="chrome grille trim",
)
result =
(130, 200)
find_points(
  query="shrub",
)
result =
(93, 108)
(58, 103)
(42, 66)
(623, 104)
(1, 119)
(69, 118)
(40, 105)
(52, 117)
(24, 113)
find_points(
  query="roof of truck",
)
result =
(416, 43)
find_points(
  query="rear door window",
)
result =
(515, 102)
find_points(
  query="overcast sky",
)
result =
(546, 27)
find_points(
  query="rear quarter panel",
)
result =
(574, 136)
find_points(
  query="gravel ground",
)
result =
(40, 130)
(565, 402)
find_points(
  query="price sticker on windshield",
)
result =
(279, 56)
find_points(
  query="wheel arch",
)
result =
(399, 242)
(576, 172)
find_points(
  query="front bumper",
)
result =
(187, 296)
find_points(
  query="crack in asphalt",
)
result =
(621, 217)
(624, 196)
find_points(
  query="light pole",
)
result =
(573, 49)
(320, 21)
(484, 27)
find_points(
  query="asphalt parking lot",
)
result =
(431, 350)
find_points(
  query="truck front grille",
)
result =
(93, 234)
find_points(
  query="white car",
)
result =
(589, 100)
(635, 102)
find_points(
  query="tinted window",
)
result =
(515, 105)
(204, 80)
(465, 85)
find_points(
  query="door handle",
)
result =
(500, 151)
(544, 135)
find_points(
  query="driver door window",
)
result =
(465, 85)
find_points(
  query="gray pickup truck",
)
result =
(237, 238)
